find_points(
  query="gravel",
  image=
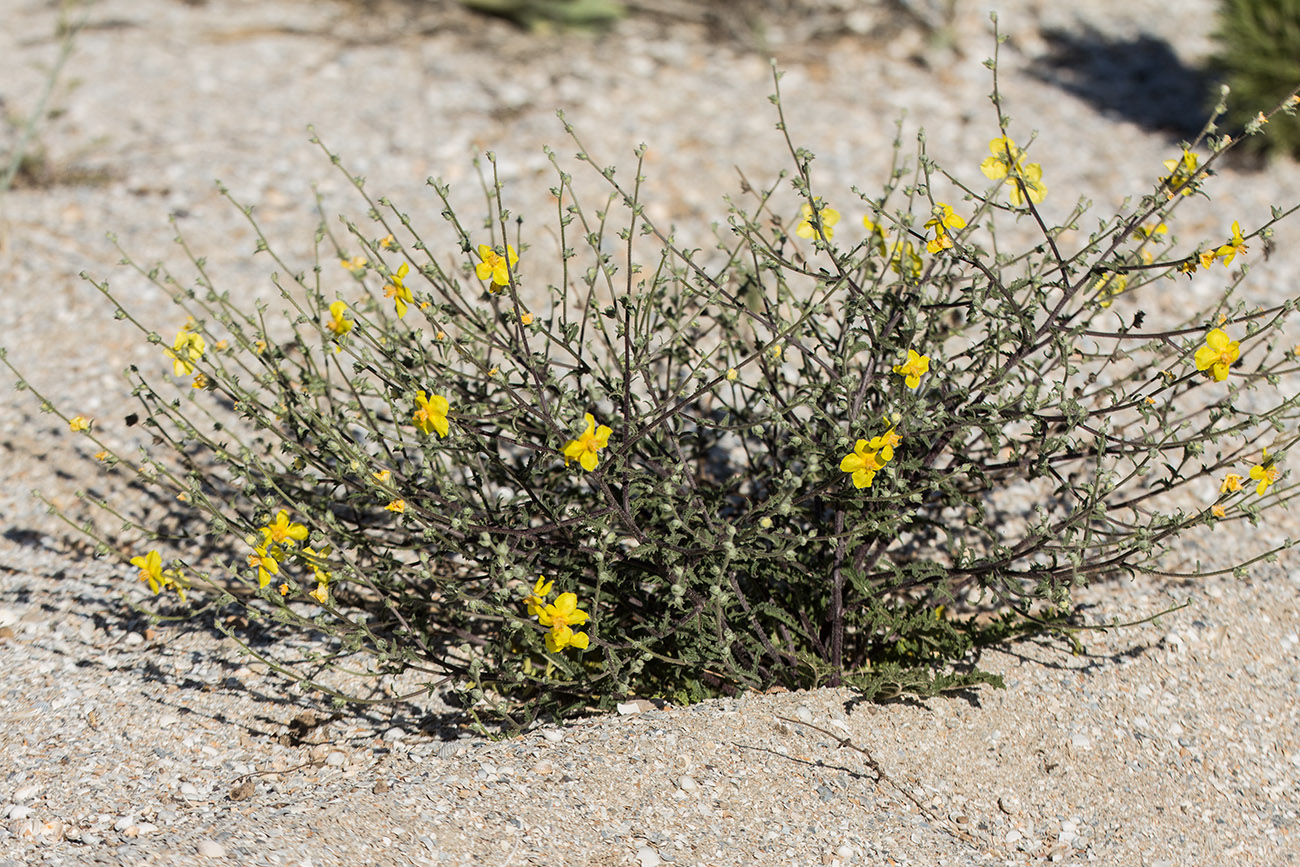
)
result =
(1169, 743)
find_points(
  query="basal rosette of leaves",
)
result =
(814, 454)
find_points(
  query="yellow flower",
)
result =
(875, 236)
(526, 318)
(1005, 155)
(431, 414)
(283, 532)
(317, 560)
(884, 445)
(496, 266)
(1217, 354)
(266, 560)
(560, 616)
(284, 589)
(356, 264)
(158, 578)
(1109, 285)
(1006, 163)
(1266, 473)
(536, 600)
(101, 456)
(187, 348)
(943, 220)
(1229, 251)
(589, 442)
(79, 423)
(1181, 172)
(321, 594)
(561, 637)
(200, 381)
(388, 242)
(914, 368)
(938, 243)
(1218, 511)
(382, 476)
(905, 262)
(398, 506)
(339, 323)
(807, 227)
(1032, 178)
(862, 464)
(397, 289)
(1149, 230)
(732, 373)
(259, 346)
(1231, 483)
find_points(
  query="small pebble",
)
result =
(123, 823)
(336, 759)
(133, 639)
(19, 812)
(189, 790)
(553, 735)
(803, 713)
(25, 793)
(647, 857)
(688, 784)
(211, 849)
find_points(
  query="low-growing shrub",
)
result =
(788, 460)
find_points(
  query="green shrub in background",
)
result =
(1259, 59)
(799, 458)
(541, 13)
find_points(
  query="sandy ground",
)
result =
(1175, 742)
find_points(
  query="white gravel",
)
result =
(1172, 743)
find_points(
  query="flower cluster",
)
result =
(276, 541)
(561, 616)
(1007, 163)
(869, 457)
(158, 578)
(1264, 474)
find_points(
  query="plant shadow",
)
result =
(1140, 80)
